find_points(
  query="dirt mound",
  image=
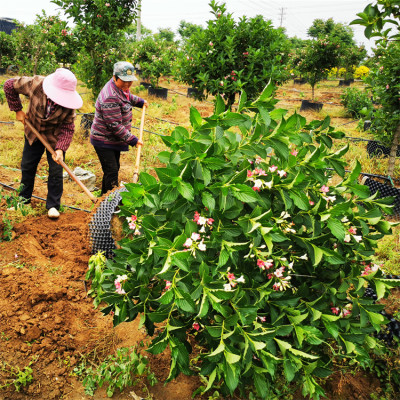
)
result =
(48, 323)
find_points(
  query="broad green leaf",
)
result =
(231, 358)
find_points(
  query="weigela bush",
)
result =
(246, 244)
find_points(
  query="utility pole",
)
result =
(139, 22)
(282, 14)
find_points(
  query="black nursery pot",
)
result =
(299, 81)
(345, 82)
(385, 190)
(376, 149)
(146, 85)
(161, 93)
(192, 92)
(310, 105)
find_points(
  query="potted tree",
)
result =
(384, 76)
(314, 62)
(155, 57)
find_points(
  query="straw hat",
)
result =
(61, 88)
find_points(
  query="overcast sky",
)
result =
(295, 15)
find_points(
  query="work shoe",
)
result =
(53, 213)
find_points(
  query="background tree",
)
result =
(7, 49)
(350, 57)
(155, 57)
(382, 21)
(100, 25)
(187, 29)
(165, 34)
(35, 54)
(315, 60)
(228, 56)
(340, 32)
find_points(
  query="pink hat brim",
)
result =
(64, 98)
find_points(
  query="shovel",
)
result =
(139, 148)
(62, 163)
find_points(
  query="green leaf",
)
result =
(337, 228)
(208, 201)
(147, 179)
(195, 118)
(244, 193)
(166, 175)
(231, 358)
(186, 190)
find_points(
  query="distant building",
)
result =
(7, 25)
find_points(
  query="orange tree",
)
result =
(229, 56)
(244, 243)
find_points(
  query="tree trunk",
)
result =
(312, 92)
(393, 152)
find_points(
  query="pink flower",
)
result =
(168, 285)
(196, 216)
(196, 326)
(256, 189)
(195, 236)
(346, 312)
(282, 173)
(335, 310)
(324, 189)
(294, 152)
(211, 44)
(260, 264)
(311, 203)
(353, 230)
(210, 221)
(262, 319)
(231, 276)
(387, 86)
(249, 173)
(246, 53)
(273, 168)
(188, 243)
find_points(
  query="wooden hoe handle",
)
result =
(62, 163)
(139, 148)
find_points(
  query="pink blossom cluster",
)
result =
(369, 269)
(258, 184)
(133, 224)
(352, 234)
(118, 283)
(233, 281)
(282, 281)
(344, 312)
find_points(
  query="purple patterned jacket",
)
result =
(112, 122)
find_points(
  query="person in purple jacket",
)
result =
(111, 129)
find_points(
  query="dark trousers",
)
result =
(31, 156)
(109, 160)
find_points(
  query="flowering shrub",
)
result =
(357, 102)
(247, 245)
(155, 58)
(229, 56)
(361, 72)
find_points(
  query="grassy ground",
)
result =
(163, 115)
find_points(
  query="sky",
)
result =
(294, 15)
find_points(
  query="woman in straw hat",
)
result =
(51, 110)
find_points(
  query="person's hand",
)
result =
(145, 104)
(20, 116)
(139, 143)
(58, 157)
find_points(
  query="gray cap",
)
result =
(124, 70)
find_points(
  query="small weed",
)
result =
(97, 264)
(18, 377)
(117, 371)
(4, 337)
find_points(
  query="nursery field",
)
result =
(49, 329)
